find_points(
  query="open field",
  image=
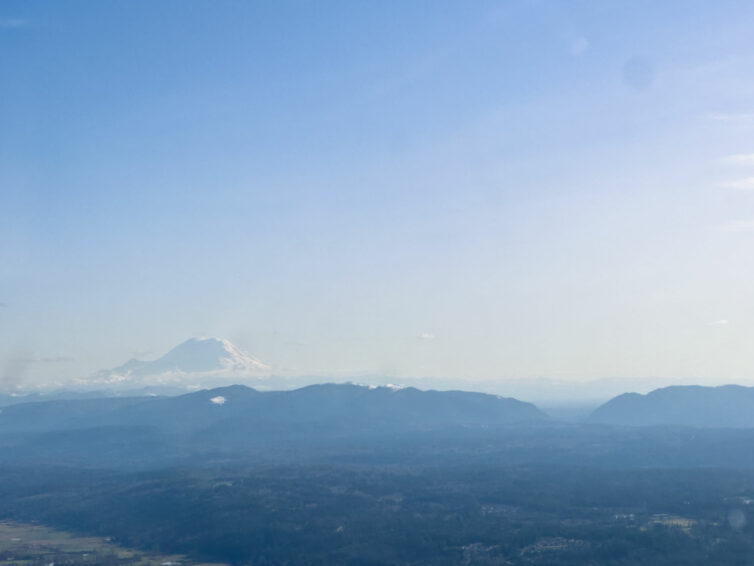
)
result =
(36, 545)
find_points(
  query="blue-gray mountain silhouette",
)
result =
(240, 408)
(693, 405)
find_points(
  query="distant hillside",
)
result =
(244, 410)
(726, 406)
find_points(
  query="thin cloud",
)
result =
(737, 226)
(56, 359)
(44, 359)
(13, 23)
(578, 46)
(746, 184)
(13, 371)
(740, 159)
(638, 73)
(740, 119)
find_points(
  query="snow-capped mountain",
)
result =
(197, 358)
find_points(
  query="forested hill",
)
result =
(728, 406)
(339, 406)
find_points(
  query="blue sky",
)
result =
(484, 190)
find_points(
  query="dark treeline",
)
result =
(374, 514)
(333, 484)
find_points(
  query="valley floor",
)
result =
(23, 544)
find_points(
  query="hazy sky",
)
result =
(484, 190)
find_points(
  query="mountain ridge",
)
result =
(724, 406)
(338, 405)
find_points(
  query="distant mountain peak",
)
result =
(204, 357)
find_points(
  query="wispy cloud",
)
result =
(746, 184)
(13, 23)
(56, 359)
(638, 73)
(737, 226)
(740, 159)
(578, 46)
(44, 359)
(737, 119)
